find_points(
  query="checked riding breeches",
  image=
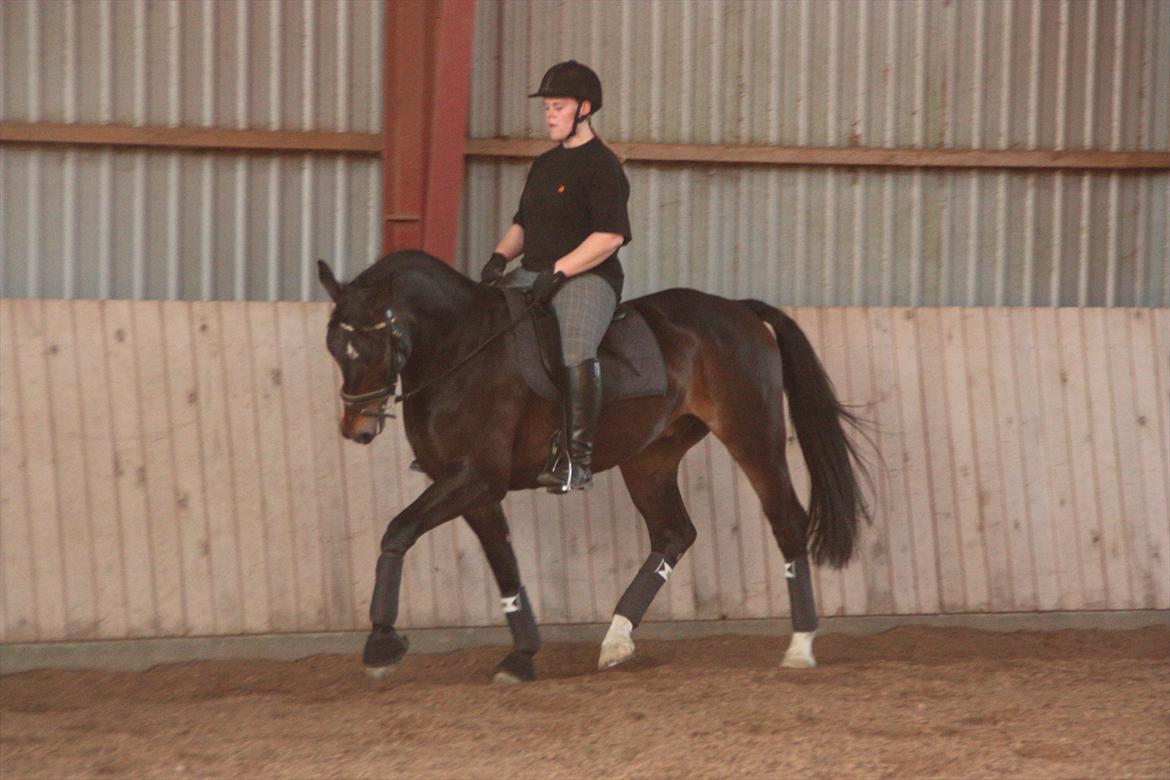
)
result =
(584, 308)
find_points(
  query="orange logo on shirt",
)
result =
(561, 188)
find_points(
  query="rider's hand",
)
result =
(546, 285)
(494, 270)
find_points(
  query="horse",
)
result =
(478, 432)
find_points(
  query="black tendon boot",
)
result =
(581, 399)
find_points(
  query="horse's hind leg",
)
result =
(490, 525)
(652, 479)
(767, 470)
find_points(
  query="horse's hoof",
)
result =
(614, 652)
(798, 662)
(384, 649)
(800, 651)
(515, 668)
(380, 673)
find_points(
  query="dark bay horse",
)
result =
(479, 432)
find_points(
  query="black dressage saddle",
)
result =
(631, 360)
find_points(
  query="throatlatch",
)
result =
(647, 582)
(522, 621)
(800, 594)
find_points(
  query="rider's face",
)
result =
(558, 116)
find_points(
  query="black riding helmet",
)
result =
(572, 79)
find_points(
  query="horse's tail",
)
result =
(837, 502)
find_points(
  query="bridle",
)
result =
(398, 349)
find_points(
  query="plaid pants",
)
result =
(583, 307)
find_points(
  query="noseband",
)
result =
(397, 350)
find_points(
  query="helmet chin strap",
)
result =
(576, 121)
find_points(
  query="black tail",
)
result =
(837, 502)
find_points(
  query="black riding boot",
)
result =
(581, 402)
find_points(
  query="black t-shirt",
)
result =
(571, 193)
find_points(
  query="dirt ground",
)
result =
(913, 702)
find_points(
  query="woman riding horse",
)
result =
(571, 222)
(728, 365)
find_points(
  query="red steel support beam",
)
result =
(426, 90)
(449, 106)
(405, 90)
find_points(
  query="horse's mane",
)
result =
(414, 278)
(409, 262)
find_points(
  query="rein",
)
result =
(386, 392)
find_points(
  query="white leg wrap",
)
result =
(800, 651)
(617, 645)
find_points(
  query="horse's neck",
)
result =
(446, 330)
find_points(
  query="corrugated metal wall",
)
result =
(997, 74)
(149, 224)
(174, 468)
(1049, 74)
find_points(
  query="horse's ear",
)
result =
(328, 280)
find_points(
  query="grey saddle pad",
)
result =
(631, 360)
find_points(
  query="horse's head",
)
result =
(370, 346)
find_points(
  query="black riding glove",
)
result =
(546, 285)
(494, 270)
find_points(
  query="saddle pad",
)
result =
(631, 360)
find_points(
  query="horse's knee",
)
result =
(397, 540)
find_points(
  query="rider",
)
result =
(571, 222)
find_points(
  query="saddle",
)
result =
(631, 359)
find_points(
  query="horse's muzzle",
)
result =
(359, 427)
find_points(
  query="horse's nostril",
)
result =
(364, 438)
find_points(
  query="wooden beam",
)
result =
(199, 138)
(289, 141)
(728, 154)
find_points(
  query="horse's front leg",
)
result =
(491, 527)
(447, 498)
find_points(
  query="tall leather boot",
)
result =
(581, 399)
